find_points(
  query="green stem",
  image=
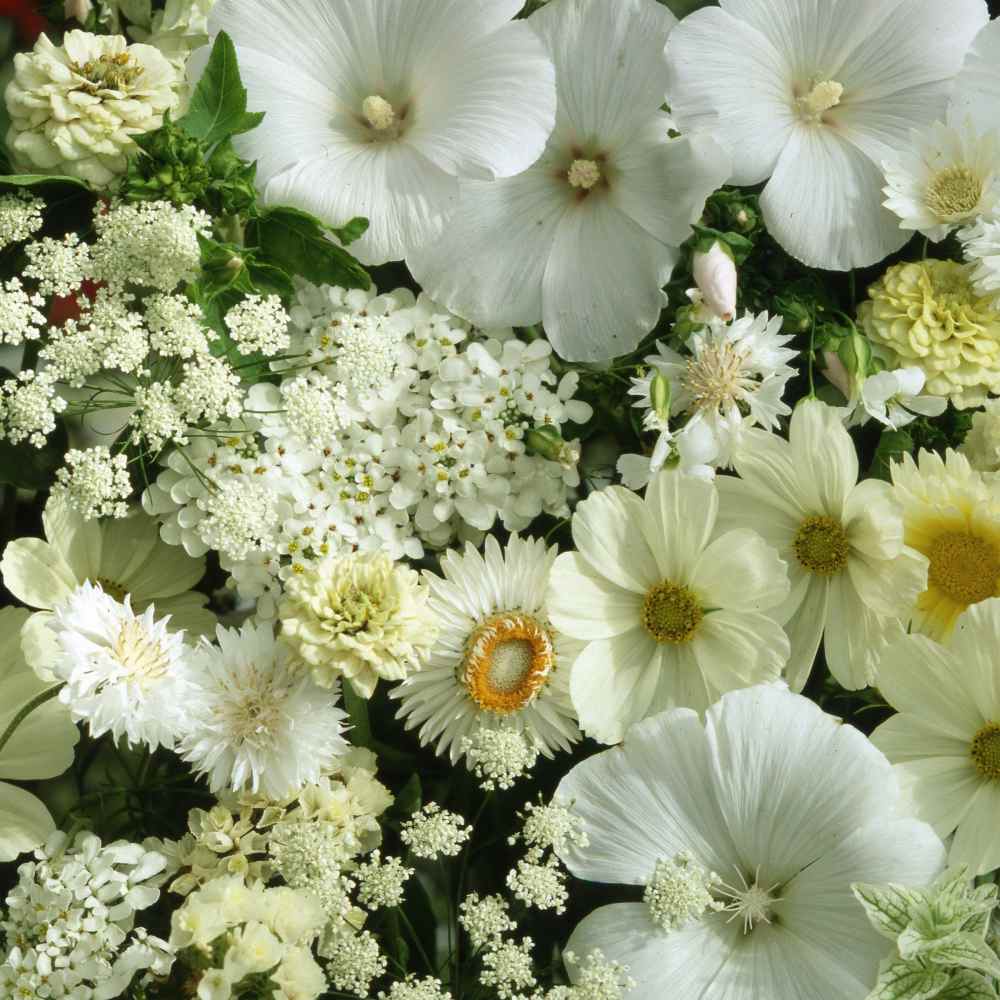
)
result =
(40, 699)
(416, 940)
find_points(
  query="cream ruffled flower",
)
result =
(945, 741)
(672, 611)
(852, 578)
(40, 747)
(361, 617)
(927, 314)
(74, 108)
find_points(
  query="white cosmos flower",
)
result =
(852, 578)
(944, 177)
(497, 662)
(786, 807)
(815, 96)
(125, 673)
(257, 721)
(673, 612)
(377, 107)
(585, 239)
(945, 741)
(894, 398)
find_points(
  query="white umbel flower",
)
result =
(585, 239)
(125, 673)
(74, 108)
(815, 96)
(376, 108)
(257, 721)
(786, 807)
(497, 663)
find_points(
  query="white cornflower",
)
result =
(256, 723)
(499, 757)
(456, 91)
(485, 919)
(509, 968)
(353, 960)
(433, 832)
(20, 217)
(894, 398)
(981, 247)
(541, 885)
(382, 883)
(606, 205)
(982, 444)
(20, 317)
(176, 326)
(209, 390)
(943, 178)
(673, 609)
(803, 94)
(59, 266)
(94, 482)
(124, 673)
(788, 806)
(259, 323)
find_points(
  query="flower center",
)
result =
(821, 545)
(680, 891)
(824, 95)
(253, 715)
(140, 656)
(508, 659)
(954, 193)
(964, 567)
(108, 72)
(584, 174)
(750, 902)
(111, 588)
(378, 112)
(715, 377)
(985, 751)
(671, 613)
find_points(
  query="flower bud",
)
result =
(715, 275)
(547, 442)
(659, 397)
(78, 9)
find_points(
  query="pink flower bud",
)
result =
(78, 9)
(715, 275)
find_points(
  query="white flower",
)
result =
(976, 89)
(982, 444)
(981, 247)
(672, 611)
(497, 662)
(74, 108)
(28, 407)
(94, 482)
(256, 722)
(815, 97)
(894, 398)
(715, 274)
(787, 806)
(586, 237)
(59, 266)
(20, 217)
(945, 741)
(942, 178)
(375, 109)
(257, 323)
(124, 673)
(20, 318)
(852, 578)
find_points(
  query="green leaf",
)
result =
(35, 180)
(890, 908)
(357, 709)
(891, 448)
(410, 797)
(966, 951)
(354, 229)
(967, 985)
(908, 981)
(218, 106)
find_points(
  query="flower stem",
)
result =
(40, 699)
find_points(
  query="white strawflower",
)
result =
(433, 832)
(124, 673)
(787, 806)
(74, 108)
(20, 217)
(982, 444)
(256, 723)
(804, 94)
(94, 482)
(259, 323)
(59, 266)
(20, 317)
(456, 91)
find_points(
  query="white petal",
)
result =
(36, 574)
(739, 571)
(904, 737)
(855, 637)
(824, 457)
(736, 650)
(24, 822)
(976, 93)
(974, 644)
(680, 513)
(78, 542)
(976, 843)
(940, 790)
(585, 605)
(805, 630)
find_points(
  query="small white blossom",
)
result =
(433, 832)
(59, 266)
(381, 883)
(894, 399)
(485, 919)
(176, 326)
(353, 961)
(550, 825)
(499, 757)
(416, 989)
(596, 978)
(539, 884)
(157, 417)
(95, 482)
(208, 390)
(20, 316)
(981, 247)
(508, 966)
(680, 890)
(20, 217)
(259, 324)
(28, 407)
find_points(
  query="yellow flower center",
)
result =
(139, 654)
(108, 72)
(378, 112)
(508, 659)
(985, 751)
(824, 95)
(821, 545)
(671, 613)
(584, 174)
(954, 192)
(715, 377)
(964, 567)
(111, 588)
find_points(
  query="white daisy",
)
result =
(377, 107)
(672, 612)
(852, 578)
(497, 663)
(942, 178)
(815, 96)
(256, 720)
(585, 239)
(125, 673)
(748, 831)
(945, 741)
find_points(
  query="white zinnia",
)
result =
(586, 238)
(673, 612)
(124, 673)
(815, 96)
(945, 741)
(774, 809)
(852, 578)
(257, 721)
(376, 108)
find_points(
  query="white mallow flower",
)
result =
(376, 108)
(673, 613)
(943, 178)
(74, 108)
(125, 673)
(894, 398)
(747, 831)
(815, 96)
(585, 239)
(852, 578)
(257, 721)
(976, 90)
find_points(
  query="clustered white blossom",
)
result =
(59, 266)
(28, 407)
(20, 217)
(499, 757)
(433, 832)
(20, 318)
(259, 324)
(95, 482)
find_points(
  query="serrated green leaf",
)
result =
(966, 951)
(908, 981)
(35, 180)
(890, 908)
(966, 985)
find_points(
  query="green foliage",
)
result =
(41, 180)
(892, 446)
